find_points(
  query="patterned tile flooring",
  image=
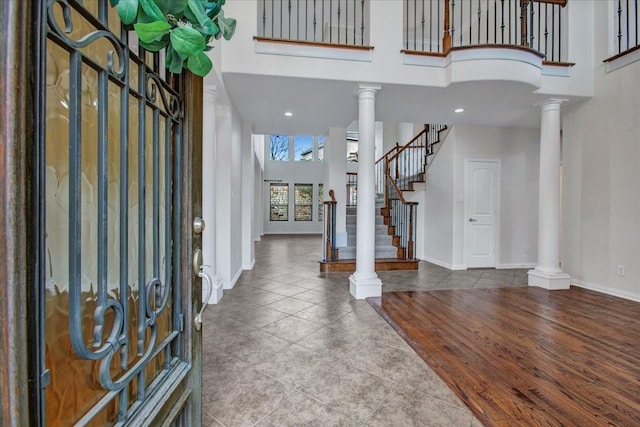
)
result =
(289, 346)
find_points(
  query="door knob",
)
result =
(472, 220)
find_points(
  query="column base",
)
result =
(365, 288)
(549, 281)
(216, 294)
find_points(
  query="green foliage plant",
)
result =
(183, 27)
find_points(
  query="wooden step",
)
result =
(349, 265)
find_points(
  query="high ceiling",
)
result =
(319, 104)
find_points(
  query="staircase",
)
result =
(384, 242)
(396, 173)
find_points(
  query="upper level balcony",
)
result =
(429, 54)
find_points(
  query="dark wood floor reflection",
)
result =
(526, 356)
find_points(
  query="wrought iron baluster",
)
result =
(281, 19)
(627, 16)
(619, 35)
(495, 21)
(531, 27)
(502, 25)
(338, 28)
(362, 22)
(487, 29)
(314, 20)
(422, 25)
(322, 31)
(453, 20)
(289, 11)
(539, 25)
(264, 17)
(354, 21)
(297, 19)
(553, 33)
(406, 26)
(546, 29)
(470, 21)
(415, 25)
(431, 25)
(479, 20)
(273, 21)
(438, 19)
(637, 21)
(330, 21)
(559, 34)
(509, 20)
(346, 21)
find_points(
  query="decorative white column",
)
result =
(208, 192)
(364, 282)
(548, 273)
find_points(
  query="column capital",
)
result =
(550, 104)
(367, 89)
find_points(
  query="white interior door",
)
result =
(482, 192)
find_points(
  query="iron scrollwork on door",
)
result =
(113, 151)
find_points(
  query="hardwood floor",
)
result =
(526, 356)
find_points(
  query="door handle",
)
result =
(472, 220)
(197, 320)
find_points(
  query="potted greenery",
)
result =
(183, 27)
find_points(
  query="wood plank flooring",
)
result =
(526, 356)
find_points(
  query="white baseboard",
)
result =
(233, 281)
(437, 262)
(444, 264)
(515, 265)
(606, 290)
(250, 265)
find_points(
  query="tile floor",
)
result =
(289, 346)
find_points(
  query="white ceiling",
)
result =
(319, 104)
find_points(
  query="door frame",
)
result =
(18, 218)
(22, 378)
(498, 205)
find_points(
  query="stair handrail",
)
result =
(329, 249)
(401, 213)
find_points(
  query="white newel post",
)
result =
(364, 282)
(208, 192)
(548, 273)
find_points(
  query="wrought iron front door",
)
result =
(116, 345)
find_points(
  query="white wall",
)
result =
(437, 240)
(518, 151)
(248, 170)
(229, 140)
(601, 191)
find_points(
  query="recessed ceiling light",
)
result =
(288, 114)
(458, 110)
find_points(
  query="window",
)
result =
(279, 202)
(303, 148)
(303, 202)
(321, 148)
(320, 204)
(279, 148)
